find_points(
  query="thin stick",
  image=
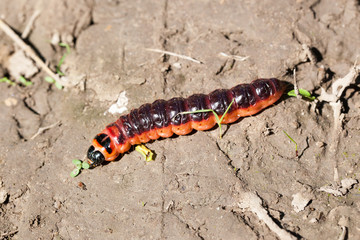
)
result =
(251, 201)
(339, 86)
(343, 233)
(30, 24)
(29, 51)
(235, 57)
(42, 129)
(296, 89)
(173, 54)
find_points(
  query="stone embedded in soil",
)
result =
(313, 220)
(20, 65)
(347, 183)
(3, 196)
(300, 201)
(10, 102)
(345, 186)
(120, 106)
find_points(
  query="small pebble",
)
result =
(10, 102)
(295, 124)
(57, 204)
(55, 39)
(67, 38)
(177, 65)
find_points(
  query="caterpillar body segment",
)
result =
(163, 118)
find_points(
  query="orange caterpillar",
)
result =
(163, 119)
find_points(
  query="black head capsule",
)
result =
(95, 158)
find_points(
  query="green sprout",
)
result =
(78, 166)
(8, 81)
(62, 58)
(58, 71)
(25, 82)
(51, 80)
(296, 146)
(218, 121)
(304, 93)
(22, 80)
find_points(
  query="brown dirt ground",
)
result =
(188, 191)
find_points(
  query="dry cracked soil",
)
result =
(193, 188)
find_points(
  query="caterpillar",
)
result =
(163, 118)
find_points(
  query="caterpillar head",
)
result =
(102, 149)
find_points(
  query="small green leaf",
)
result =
(49, 79)
(75, 172)
(8, 81)
(66, 46)
(76, 161)
(303, 93)
(291, 93)
(79, 165)
(24, 81)
(85, 165)
(58, 85)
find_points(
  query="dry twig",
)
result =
(29, 51)
(251, 201)
(338, 88)
(343, 233)
(29, 26)
(235, 57)
(42, 129)
(296, 88)
(173, 54)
